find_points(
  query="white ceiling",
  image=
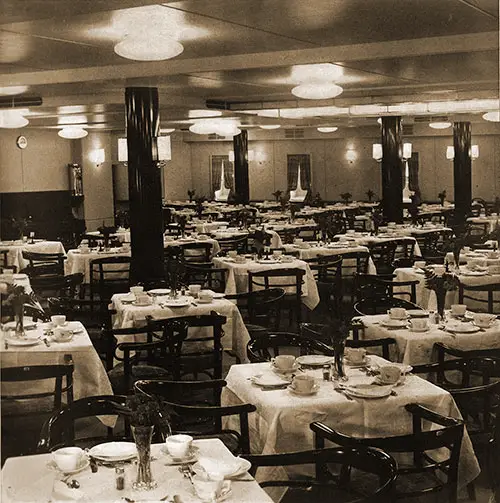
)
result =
(240, 53)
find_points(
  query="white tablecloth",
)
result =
(490, 220)
(80, 262)
(89, 375)
(15, 250)
(237, 281)
(236, 335)
(365, 239)
(122, 235)
(185, 241)
(207, 227)
(416, 348)
(29, 479)
(281, 423)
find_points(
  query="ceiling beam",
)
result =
(464, 43)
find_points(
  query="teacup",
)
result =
(62, 334)
(390, 374)
(397, 313)
(303, 383)
(143, 299)
(232, 253)
(136, 290)
(205, 296)
(210, 489)
(284, 362)
(277, 253)
(179, 446)
(356, 355)
(58, 320)
(68, 459)
(458, 309)
(194, 290)
(419, 323)
(483, 320)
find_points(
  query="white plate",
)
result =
(180, 302)
(218, 295)
(270, 261)
(75, 326)
(368, 391)
(140, 304)
(462, 328)
(314, 360)
(270, 380)
(25, 341)
(28, 325)
(159, 291)
(243, 467)
(84, 462)
(417, 313)
(190, 458)
(114, 451)
(473, 273)
(394, 323)
(294, 391)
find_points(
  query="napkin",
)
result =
(61, 492)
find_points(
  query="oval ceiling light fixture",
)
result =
(317, 91)
(194, 114)
(202, 127)
(148, 48)
(270, 126)
(292, 113)
(73, 133)
(274, 113)
(440, 125)
(12, 119)
(320, 72)
(492, 116)
(327, 129)
(167, 130)
(223, 128)
(13, 90)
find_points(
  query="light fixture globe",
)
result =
(492, 116)
(327, 129)
(12, 119)
(148, 48)
(72, 133)
(270, 126)
(317, 91)
(440, 125)
(203, 127)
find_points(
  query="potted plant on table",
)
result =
(370, 194)
(440, 283)
(191, 194)
(145, 414)
(277, 195)
(346, 197)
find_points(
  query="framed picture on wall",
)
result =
(221, 177)
(299, 180)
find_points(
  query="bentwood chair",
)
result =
(196, 252)
(44, 264)
(485, 297)
(375, 469)
(60, 429)
(239, 244)
(201, 418)
(425, 474)
(383, 255)
(109, 275)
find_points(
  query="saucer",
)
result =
(84, 462)
(142, 304)
(291, 370)
(192, 456)
(312, 391)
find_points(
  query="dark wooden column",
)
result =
(392, 169)
(462, 170)
(241, 179)
(146, 219)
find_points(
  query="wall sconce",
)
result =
(122, 150)
(97, 156)
(351, 155)
(407, 148)
(377, 152)
(450, 152)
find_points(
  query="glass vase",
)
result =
(142, 437)
(440, 298)
(339, 349)
(19, 319)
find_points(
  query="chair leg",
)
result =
(471, 491)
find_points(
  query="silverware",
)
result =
(46, 342)
(339, 389)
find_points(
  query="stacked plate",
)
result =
(112, 452)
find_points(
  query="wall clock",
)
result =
(22, 142)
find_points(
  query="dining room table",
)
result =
(121, 234)
(194, 237)
(491, 221)
(47, 484)
(129, 314)
(238, 269)
(16, 247)
(416, 346)
(41, 347)
(358, 406)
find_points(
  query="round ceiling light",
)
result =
(148, 48)
(13, 90)
(492, 116)
(270, 126)
(440, 125)
(327, 129)
(73, 133)
(12, 119)
(167, 130)
(227, 129)
(194, 114)
(317, 91)
(203, 127)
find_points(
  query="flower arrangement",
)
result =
(346, 197)
(277, 195)
(440, 284)
(199, 200)
(284, 202)
(370, 195)
(19, 224)
(442, 197)
(191, 194)
(317, 201)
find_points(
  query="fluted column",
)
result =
(462, 170)
(241, 178)
(146, 219)
(392, 169)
